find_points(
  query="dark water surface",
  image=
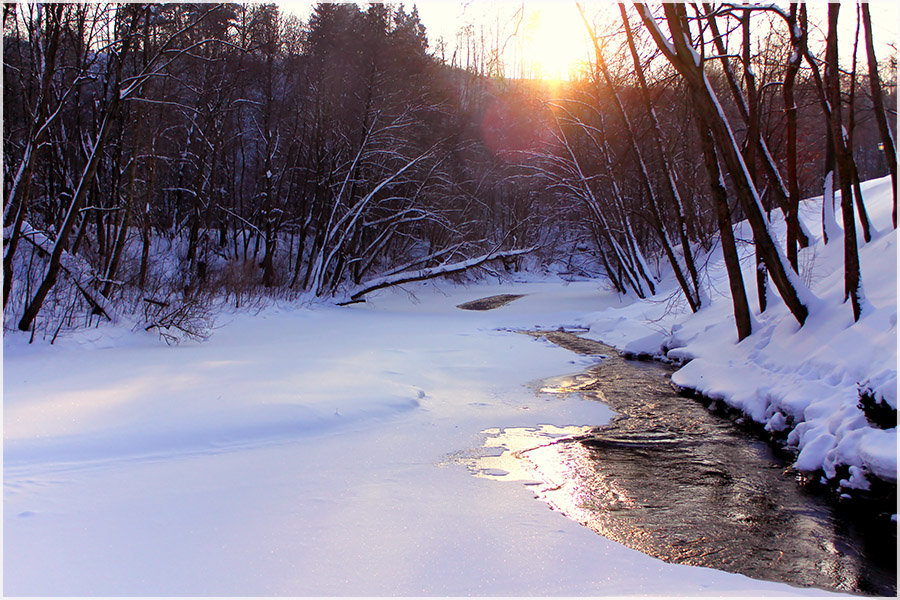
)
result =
(490, 303)
(670, 478)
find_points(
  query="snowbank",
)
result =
(801, 383)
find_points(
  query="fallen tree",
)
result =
(398, 278)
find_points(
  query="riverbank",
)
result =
(803, 385)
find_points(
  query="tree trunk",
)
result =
(851, 127)
(782, 191)
(600, 217)
(750, 145)
(671, 175)
(122, 234)
(852, 279)
(887, 140)
(726, 234)
(690, 290)
(830, 229)
(145, 222)
(21, 188)
(790, 109)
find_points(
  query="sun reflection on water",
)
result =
(560, 470)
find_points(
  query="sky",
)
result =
(552, 41)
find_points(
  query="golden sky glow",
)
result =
(554, 39)
(547, 39)
(537, 39)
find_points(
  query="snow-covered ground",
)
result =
(307, 452)
(801, 382)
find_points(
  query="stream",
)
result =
(672, 479)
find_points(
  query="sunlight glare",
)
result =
(555, 43)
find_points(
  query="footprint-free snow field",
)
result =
(307, 452)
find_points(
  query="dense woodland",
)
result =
(160, 159)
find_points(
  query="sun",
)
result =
(554, 40)
(541, 39)
(536, 40)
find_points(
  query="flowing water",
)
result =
(670, 478)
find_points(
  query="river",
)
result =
(676, 481)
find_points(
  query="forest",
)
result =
(342, 299)
(161, 160)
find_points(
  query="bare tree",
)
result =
(754, 144)
(690, 289)
(852, 280)
(686, 60)
(119, 49)
(623, 258)
(41, 118)
(118, 87)
(741, 309)
(796, 22)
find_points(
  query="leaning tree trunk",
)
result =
(21, 187)
(87, 178)
(668, 168)
(84, 186)
(779, 187)
(586, 194)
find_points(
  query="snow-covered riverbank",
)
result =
(307, 452)
(803, 383)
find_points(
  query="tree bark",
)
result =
(21, 187)
(852, 278)
(790, 110)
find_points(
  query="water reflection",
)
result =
(670, 479)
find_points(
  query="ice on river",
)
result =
(307, 452)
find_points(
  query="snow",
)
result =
(309, 451)
(804, 381)
(831, 229)
(321, 450)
